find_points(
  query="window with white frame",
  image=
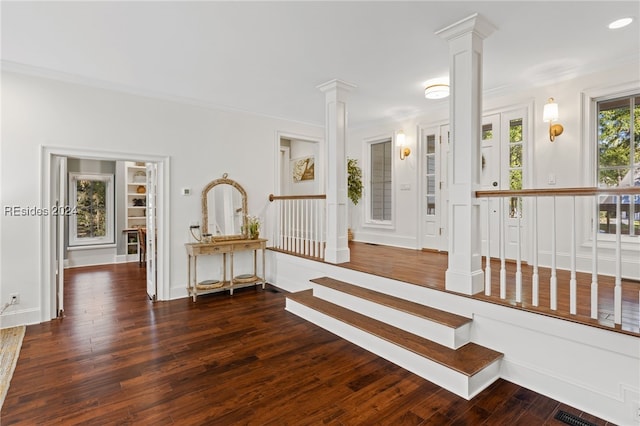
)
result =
(380, 182)
(618, 159)
(91, 200)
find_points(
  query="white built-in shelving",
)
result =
(135, 201)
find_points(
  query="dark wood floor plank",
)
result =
(119, 359)
(428, 269)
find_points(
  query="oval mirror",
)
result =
(224, 210)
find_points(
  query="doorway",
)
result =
(54, 186)
(299, 165)
(505, 149)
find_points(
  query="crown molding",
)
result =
(49, 74)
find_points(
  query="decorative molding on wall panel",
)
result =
(387, 240)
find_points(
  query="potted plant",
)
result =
(253, 225)
(354, 186)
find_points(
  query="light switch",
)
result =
(552, 179)
(185, 191)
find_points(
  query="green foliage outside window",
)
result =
(91, 203)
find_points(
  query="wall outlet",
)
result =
(15, 298)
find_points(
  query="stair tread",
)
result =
(436, 315)
(468, 359)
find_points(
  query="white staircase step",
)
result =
(442, 327)
(465, 371)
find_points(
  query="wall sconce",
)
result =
(550, 114)
(400, 140)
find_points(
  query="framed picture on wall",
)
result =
(303, 169)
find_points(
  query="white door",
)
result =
(514, 139)
(435, 195)
(431, 183)
(152, 273)
(284, 170)
(490, 173)
(59, 216)
(504, 140)
(443, 197)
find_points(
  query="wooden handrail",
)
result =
(550, 192)
(297, 197)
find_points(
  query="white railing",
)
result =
(299, 225)
(613, 195)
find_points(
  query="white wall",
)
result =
(201, 143)
(564, 158)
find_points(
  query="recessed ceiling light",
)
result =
(620, 23)
(436, 91)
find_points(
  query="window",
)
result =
(516, 143)
(618, 133)
(380, 203)
(430, 175)
(91, 200)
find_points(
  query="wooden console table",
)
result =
(224, 248)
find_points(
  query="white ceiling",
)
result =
(268, 57)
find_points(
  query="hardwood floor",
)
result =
(119, 359)
(428, 269)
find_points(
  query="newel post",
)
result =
(464, 273)
(337, 247)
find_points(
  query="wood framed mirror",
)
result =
(224, 210)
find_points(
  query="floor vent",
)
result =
(571, 419)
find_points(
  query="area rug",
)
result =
(10, 344)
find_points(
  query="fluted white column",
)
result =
(464, 273)
(337, 247)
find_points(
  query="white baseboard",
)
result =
(20, 317)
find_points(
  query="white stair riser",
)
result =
(441, 375)
(447, 336)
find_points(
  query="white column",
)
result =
(464, 273)
(337, 247)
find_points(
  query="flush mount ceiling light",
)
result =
(620, 23)
(436, 91)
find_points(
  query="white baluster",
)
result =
(553, 282)
(572, 281)
(305, 224)
(518, 254)
(487, 269)
(594, 258)
(535, 290)
(503, 265)
(617, 290)
(312, 235)
(298, 226)
(289, 224)
(283, 231)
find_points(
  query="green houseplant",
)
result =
(354, 181)
(354, 186)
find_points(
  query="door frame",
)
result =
(319, 161)
(528, 178)
(48, 229)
